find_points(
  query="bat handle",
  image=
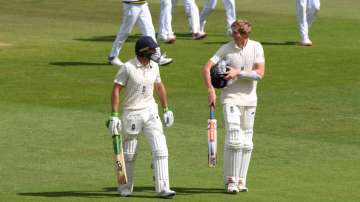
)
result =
(117, 144)
(212, 111)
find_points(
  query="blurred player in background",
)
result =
(306, 13)
(229, 6)
(134, 12)
(140, 76)
(192, 14)
(246, 65)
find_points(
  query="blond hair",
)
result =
(241, 26)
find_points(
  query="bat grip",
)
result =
(212, 111)
(116, 139)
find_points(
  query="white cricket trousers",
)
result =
(239, 123)
(148, 121)
(165, 26)
(133, 13)
(306, 13)
(229, 6)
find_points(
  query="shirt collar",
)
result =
(139, 65)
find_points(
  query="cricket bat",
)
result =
(120, 169)
(212, 138)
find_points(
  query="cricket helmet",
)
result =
(218, 73)
(144, 45)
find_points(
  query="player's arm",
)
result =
(115, 98)
(207, 80)
(161, 92)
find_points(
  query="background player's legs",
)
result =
(147, 29)
(130, 16)
(205, 12)
(166, 33)
(229, 6)
(313, 8)
(301, 7)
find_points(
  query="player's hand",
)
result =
(168, 118)
(211, 97)
(114, 124)
(231, 73)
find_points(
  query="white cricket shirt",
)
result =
(240, 91)
(138, 81)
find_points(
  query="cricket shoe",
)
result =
(166, 193)
(115, 61)
(232, 186)
(199, 35)
(169, 40)
(242, 187)
(164, 60)
(125, 190)
(306, 42)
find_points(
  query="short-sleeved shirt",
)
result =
(240, 91)
(138, 81)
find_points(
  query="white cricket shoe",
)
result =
(164, 60)
(115, 61)
(166, 193)
(125, 190)
(171, 39)
(199, 35)
(232, 188)
(306, 42)
(241, 186)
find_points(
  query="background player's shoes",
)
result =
(170, 39)
(166, 193)
(199, 35)
(164, 60)
(125, 190)
(115, 61)
(306, 42)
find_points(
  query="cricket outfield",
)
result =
(55, 98)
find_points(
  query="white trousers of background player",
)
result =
(149, 122)
(192, 14)
(210, 5)
(133, 14)
(165, 29)
(306, 13)
(239, 122)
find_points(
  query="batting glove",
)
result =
(168, 117)
(114, 124)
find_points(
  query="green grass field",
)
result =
(55, 98)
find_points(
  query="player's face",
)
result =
(238, 35)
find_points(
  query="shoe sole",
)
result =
(200, 37)
(166, 63)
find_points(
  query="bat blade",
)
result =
(120, 168)
(212, 140)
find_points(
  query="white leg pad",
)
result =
(161, 170)
(130, 147)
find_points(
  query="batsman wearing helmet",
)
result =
(245, 67)
(140, 76)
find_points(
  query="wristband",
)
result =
(114, 114)
(165, 109)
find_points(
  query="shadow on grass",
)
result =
(78, 63)
(108, 38)
(111, 192)
(286, 43)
